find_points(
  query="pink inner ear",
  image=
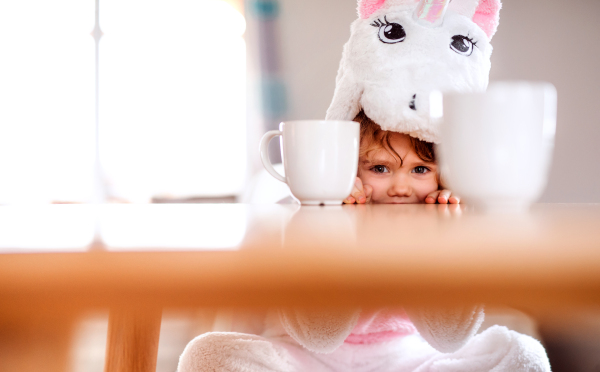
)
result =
(368, 7)
(487, 16)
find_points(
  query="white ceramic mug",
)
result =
(497, 146)
(320, 158)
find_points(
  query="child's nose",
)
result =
(400, 187)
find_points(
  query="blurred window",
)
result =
(46, 100)
(172, 99)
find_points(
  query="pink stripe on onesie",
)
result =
(381, 325)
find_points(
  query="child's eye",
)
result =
(380, 169)
(420, 169)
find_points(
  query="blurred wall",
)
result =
(551, 40)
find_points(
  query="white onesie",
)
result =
(382, 340)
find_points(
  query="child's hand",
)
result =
(442, 197)
(360, 194)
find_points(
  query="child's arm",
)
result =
(360, 194)
(442, 197)
(448, 329)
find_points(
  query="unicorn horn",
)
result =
(431, 12)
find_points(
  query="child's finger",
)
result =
(356, 194)
(368, 192)
(358, 184)
(454, 199)
(432, 197)
(444, 196)
(358, 191)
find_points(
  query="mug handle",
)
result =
(264, 154)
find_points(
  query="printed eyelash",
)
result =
(378, 23)
(471, 40)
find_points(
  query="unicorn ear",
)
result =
(368, 7)
(485, 13)
(487, 16)
(346, 98)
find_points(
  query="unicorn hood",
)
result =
(401, 50)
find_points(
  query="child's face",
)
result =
(395, 182)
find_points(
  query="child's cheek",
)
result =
(427, 188)
(378, 187)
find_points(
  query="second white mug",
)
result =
(497, 146)
(320, 158)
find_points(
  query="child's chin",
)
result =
(397, 202)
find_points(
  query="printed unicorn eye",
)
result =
(462, 45)
(389, 33)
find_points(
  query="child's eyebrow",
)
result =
(378, 161)
(421, 163)
(417, 160)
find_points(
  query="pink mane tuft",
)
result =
(368, 7)
(487, 16)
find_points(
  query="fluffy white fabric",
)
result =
(447, 330)
(382, 79)
(320, 332)
(229, 351)
(295, 340)
(496, 349)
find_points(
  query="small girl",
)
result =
(394, 168)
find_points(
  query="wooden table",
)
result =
(183, 256)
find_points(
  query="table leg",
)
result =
(132, 343)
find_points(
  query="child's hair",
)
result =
(372, 138)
